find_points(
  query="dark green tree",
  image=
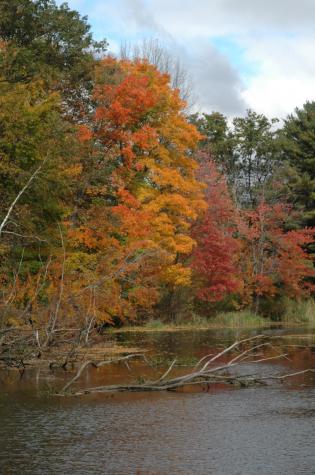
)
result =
(245, 153)
(38, 158)
(256, 148)
(298, 156)
(39, 39)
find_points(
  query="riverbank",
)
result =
(23, 348)
(229, 320)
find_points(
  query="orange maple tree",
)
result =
(137, 223)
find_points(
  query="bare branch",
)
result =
(234, 345)
(53, 321)
(290, 375)
(197, 377)
(154, 52)
(25, 236)
(166, 372)
(14, 202)
(98, 365)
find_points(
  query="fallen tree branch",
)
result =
(166, 372)
(98, 365)
(291, 375)
(205, 374)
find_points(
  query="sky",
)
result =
(240, 54)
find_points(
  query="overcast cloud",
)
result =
(225, 17)
(240, 53)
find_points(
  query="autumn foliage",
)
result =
(110, 211)
(216, 256)
(248, 254)
(136, 223)
(275, 261)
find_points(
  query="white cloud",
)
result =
(226, 17)
(285, 79)
(276, 40)
(217, 84)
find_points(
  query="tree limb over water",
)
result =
(209, 370)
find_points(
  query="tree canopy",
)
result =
(116, 205)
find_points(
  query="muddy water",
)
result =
(266, 430)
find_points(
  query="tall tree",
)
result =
(298, 150)
(52, 43)
(47, 65)
(145, 196)
(215, 258)
(245, 152)
(38, 162)
(256, 150)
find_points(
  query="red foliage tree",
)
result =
(248, 252)
(216, 254)
(275, 261)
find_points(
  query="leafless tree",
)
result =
(154, 52)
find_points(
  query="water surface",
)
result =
(265, 430)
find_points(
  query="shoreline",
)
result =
(190, 327)
(62, 356)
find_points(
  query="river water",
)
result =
(254, 431)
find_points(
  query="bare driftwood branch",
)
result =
(166, 372)
(291, 375)
(203, 372)
(98, 365)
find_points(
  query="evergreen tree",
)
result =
(298, 150)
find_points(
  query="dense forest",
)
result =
(120, 205)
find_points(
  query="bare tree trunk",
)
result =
(53, 319)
